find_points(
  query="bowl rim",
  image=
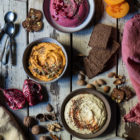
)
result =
(107, 107)
(28, 51)
(73, 31)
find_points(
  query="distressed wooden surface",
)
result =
(56, 92)
(14, 76)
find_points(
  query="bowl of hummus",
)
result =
(69, 15)
(45, 60)
(85, 113)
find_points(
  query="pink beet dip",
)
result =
(69, 13)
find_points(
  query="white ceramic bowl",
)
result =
(27, 54)
(68, 29)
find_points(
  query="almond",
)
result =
(106, 89)
(95, 83)
(81, 77)
(111, 74)
(101, 82)
(81, 82)
(91, 86)
(117, 82)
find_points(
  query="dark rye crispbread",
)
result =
(90, 68)
(103, 55)
(100, 36)
(97, 59)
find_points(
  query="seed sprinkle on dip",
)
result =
(46, 61)
(85, 113)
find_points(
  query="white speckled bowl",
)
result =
(68, 29)
(28, 51)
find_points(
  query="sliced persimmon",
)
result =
(119, 10)
(113, 2)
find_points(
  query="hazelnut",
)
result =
(49, 108)
(91, 86)
(45, 138)
(38, 130)
(81, 82)
(101, 82)
(81, 77)
(40, 117)
(106, 89)
(111, 74)
(29, 121)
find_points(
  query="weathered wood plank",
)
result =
(14, 76)
(59, 90)
(80, 45)
(127, 129)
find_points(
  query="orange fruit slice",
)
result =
(113, 2)
(118, 11)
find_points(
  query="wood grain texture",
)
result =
(14, 76)
(80, 46)
(57, 91)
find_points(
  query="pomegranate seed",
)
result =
(65, 6)
(53, 16)
(56, 13)
(54, 7)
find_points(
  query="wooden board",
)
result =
(80, 46)
(14, 76)
(59, 90)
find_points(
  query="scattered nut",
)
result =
(45, 138)
(101, 82)
(95, 83)
(128, 92)
(81, 77)
(49, 108)
(111, 74)
(82, 73)
(91, 86)
(106, 89)
(38, 130)
(81, 82)
(56, 127)
(40, 117)
(50, 127)
(117, 82)
(54, 137)
(117, 95)
(50, 117)
(29, 121)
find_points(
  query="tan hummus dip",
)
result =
(85, 113)
(46, 61)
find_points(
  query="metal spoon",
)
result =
(10, 31)
(9, 17)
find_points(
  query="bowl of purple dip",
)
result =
(69, 15)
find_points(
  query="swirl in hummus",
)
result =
(85, 113)
(69, 13)
(46, 61)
